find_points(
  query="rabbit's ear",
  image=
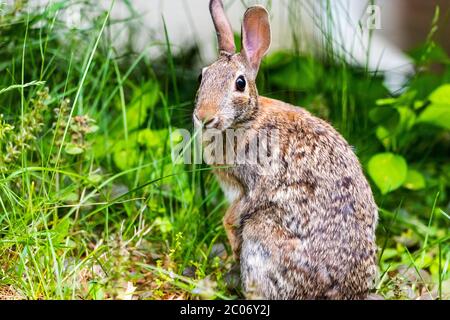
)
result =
(223, 27)
(256, 36)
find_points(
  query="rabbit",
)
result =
(303, 228)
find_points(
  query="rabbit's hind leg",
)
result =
(265, 270)
(275, 264)
(257, 272)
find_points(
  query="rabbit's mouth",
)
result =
(215, 123)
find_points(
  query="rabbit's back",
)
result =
(308, 231)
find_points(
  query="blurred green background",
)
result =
(92, 206)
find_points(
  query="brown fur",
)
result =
(307, 229)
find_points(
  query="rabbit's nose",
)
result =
(207, 117)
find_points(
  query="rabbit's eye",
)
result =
(241, 83)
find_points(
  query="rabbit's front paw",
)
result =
(234, 240)
(231, 228)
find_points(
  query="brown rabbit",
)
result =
(304, 227)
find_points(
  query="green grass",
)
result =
(92, 206)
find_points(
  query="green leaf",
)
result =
(148, 94)
(388, 171)
(277, 59)
(414, 180)
(437, 115)
(298, 74)
(102, 146)
(96, 290)
(126, 155)
(384, 136)
(144, 99)
(164, 224)
(152, 139)
(95, 179)
(418, 104)
(136, 115)
(407, 119)
(61, 230)
(386, 102)
(389, 253)
(441, 95)
(386, 116)
(70, 197)
(73, 149)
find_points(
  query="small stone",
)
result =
(233, 277)
(189, 272)
(218, 250)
